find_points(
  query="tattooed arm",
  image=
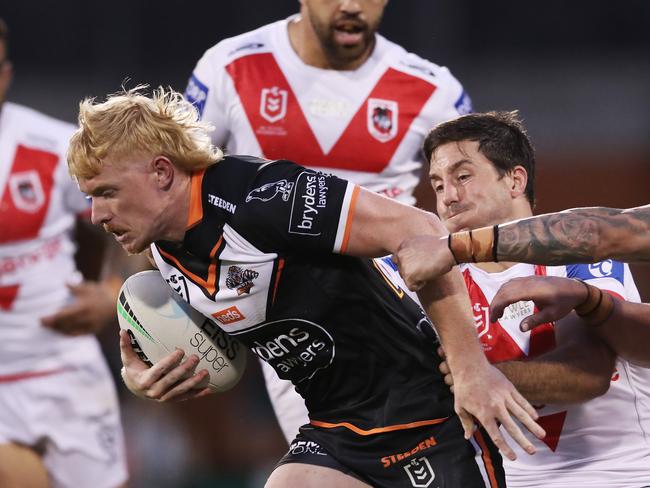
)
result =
(578, 235)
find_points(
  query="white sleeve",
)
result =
(289, 407)
(205, 89)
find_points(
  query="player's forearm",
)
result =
(627, 331)
(447, 304)
(547, 381)
(578, 369)
(380, 225)
(577, 235)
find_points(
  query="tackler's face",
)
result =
(345, 28)
(470, 192)
(127, 202)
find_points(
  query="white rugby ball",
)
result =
(159, 321)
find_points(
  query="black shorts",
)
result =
(435, 456)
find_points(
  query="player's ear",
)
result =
(164, 171)
(518, 181)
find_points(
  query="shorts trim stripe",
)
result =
(8, 378)
(484, 460)
(377, 430)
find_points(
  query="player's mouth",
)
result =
(120, 235)
(349, 32)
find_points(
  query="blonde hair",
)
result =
(130, 122)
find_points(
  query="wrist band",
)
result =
(597, 307)
(483, 244)
(473, 246)
(460, 244)
(451, 250)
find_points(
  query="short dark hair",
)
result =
(501, 137)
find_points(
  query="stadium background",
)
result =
(579, 72)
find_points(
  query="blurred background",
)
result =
(579, 72)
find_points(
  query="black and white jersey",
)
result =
(263, 256)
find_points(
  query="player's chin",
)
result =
(134, 247)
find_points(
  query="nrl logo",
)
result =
(273, 104)
(240, 279)
(382, 119)
(420, 472)
(267, 192)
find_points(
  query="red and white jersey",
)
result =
(365, 125)
(38, 206)
(604, 442)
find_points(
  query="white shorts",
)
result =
(72, 417)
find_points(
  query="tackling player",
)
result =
(354, 345)
(324, 89)
(59, 418)
(482, 170)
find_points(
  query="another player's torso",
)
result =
(365, 125)
(38, 207)
(609, 434)
(337, 327)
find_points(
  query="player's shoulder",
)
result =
(609, 268)
(410, 63)
(21, 113)
(252, 42)
(36, 128)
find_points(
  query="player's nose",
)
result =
(350, 6)
(99, 212)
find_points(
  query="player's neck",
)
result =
(309, 49)
(177, 213)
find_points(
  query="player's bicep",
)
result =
(377, 225)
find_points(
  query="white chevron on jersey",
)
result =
(246, 300)
(38, 206)
(604, 442)
(365, 125)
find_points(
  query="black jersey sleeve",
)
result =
(289, 208)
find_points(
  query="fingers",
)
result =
(515, 432)
(527, 406)
(189, 388)
(171, 375)
(467, 421)
(542, 317)
(521, 409)
(127, 354)
(510, 293)
(449, 379)
(495, 434)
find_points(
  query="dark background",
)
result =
(579, 72)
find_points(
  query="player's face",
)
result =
(469, 191)
(126, 202)
(345, 28)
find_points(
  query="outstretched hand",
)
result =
(554, 297)
(487, 396)
(423, 258)
(93, 307)
(170, 379)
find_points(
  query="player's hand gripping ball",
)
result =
(158, 321)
